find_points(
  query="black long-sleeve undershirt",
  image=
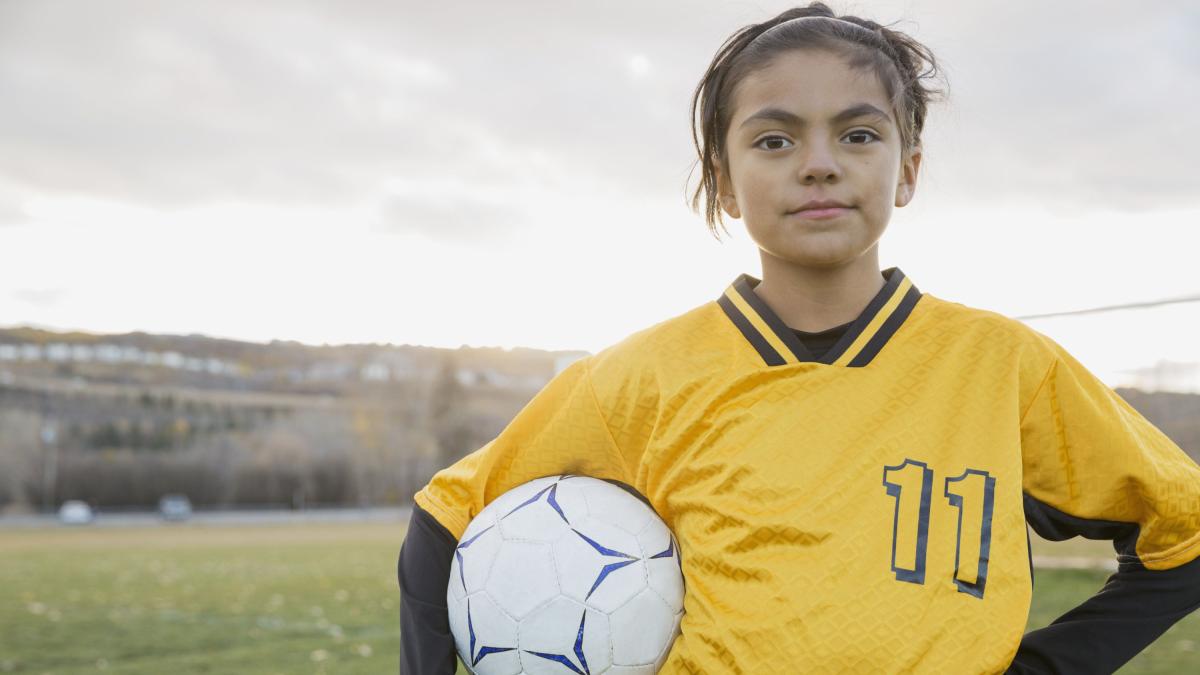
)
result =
(426, 644)
(1132, 610)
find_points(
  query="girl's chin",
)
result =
(819, 244)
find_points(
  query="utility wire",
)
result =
(1112, 308)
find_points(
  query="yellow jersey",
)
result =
(861, 512)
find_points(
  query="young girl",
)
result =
(848, 463)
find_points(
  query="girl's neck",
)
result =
(816, 299)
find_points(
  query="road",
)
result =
(220, 518)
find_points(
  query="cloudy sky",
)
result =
(516, 173)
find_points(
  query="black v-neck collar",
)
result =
(778, 345)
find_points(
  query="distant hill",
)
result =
(1178, 415)
(119, 420)
(279, 366)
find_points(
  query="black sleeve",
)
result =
(426, 644)
(1135, 606)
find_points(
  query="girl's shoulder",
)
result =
(681, 338)
(985, 328)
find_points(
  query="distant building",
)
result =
(108, 353)
(326, 371)
(375, 372)
(57, 351)
(468, 377)
(112, 354)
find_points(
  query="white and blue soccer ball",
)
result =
(565, 574)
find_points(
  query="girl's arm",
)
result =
(1094, 466)
(564, 429)
(426, 644)
(1134, 608)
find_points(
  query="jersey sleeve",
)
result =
(563, 429)
(1094, 466)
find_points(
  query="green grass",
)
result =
(285, 599)
(290, 599)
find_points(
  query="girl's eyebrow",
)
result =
(781, 115)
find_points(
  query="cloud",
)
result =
(11, 214)
(175, 105)
(460, 216)
(40, 297)
(1091, 118)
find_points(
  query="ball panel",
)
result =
(631, 670)
(562, 635)
(545, 515)
(663, 569)
(522, 577)
(457, 614)
(485, 636)
(473, 560)
(536, 522)
(509, 500)
(600, 565)
(569, 496)
(640, 629)
(612, 504)
(666, 651)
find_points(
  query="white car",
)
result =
(175, 507)
(75, 512)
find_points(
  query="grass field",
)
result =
(247, 599)
(291, 599)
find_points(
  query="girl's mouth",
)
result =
(820, 214)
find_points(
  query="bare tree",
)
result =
(19, 461)
(448, 420)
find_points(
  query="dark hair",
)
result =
(894, 57)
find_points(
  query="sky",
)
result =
(517, 174)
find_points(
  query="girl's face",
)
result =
(802, 130)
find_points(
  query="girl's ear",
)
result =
(909, 169)
(725, 193)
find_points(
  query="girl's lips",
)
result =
(820, 214)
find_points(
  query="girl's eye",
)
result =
(766, 139)
(863, 132)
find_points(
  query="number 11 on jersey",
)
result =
(972, 494)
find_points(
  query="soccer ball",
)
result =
(565, 574)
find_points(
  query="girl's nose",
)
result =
(818, 164)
